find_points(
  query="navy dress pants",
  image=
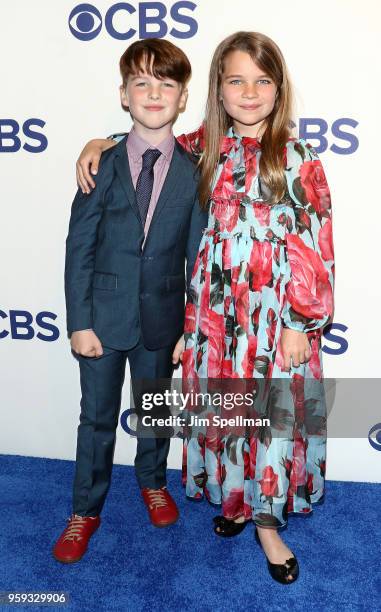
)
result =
(101, 384)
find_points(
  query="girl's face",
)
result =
(248, 95)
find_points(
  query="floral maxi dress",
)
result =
(260, 268)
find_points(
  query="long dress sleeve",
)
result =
(308, 303)
(194, 142)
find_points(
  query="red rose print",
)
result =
(253, 455)
(287, 464)
(226, 254)
(225, 187)
(249, 358)
(188, 363)
(204, 304)
(297, 390)
(309, 292)
(212, 435)
(227, 368)
(277, 289)
(205, 255)
(242, 305)
(246, 463)
(310, 483)
(315, 186)
(269, 373)
(233, 332)
(303, 220)
(279, 359)
(193, 142)
(234, 279)
(200, 353)
(272, 325)
(190, 318)
(227, 302)
(269, 482)
(298, 471)
(262, 213)
(321, 466)
(260, 265)
(201, 443)
(232, 506)
(255, 318)
(277, 255)
(314, 362)
(226, 211)
(326, 241)
(216, 331)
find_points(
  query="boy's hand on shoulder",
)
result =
(86, 343)
(88, 162)
(177, 354)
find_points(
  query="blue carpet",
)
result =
(132, 566)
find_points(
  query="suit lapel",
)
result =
(172, 181)
(124, 173)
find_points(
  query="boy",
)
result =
(125, 283)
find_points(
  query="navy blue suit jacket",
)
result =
(112, 285)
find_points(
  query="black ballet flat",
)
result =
(227, 528)
(281, 571)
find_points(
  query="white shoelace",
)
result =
(74, 529)
(156, 498)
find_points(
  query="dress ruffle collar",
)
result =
(233, 141)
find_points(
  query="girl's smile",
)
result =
(248, 95)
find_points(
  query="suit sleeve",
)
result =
(308, 302)
(81, 243)
(199, 221)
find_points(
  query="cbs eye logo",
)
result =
(374, 437)
(151, 20)
(85, 22)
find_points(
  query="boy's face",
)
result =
(153, 103)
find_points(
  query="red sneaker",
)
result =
(72, 543)
(161, 506)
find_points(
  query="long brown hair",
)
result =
(266, 54)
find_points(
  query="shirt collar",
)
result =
(137, 145)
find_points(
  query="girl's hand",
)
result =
(88, 162)
(86, 343)
(295, 347)
(177, 354)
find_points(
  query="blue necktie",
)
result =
(144, 184)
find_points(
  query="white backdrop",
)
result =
(70, 86)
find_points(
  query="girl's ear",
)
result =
(123, 96)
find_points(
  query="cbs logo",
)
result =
(335, 339)
(23, 326)
(316, 129)
(374, 437)
(10, 138)
(149, 18)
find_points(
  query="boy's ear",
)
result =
(123, 96)
(183, 99)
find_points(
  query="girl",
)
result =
(261, 292)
